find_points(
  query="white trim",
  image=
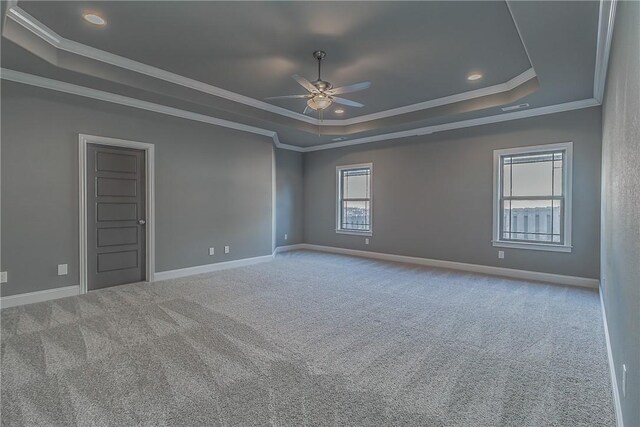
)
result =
(354, 232)
(533, 112)
(29, 22)
(567, 186)
(475, 268)
(288, 248)
(606, 21)
(50, 294)
(39, 296)
(452, 99)
(150, 214)
(602, 57)
(612, 368)
(43, 82)
(515, 23)
(274, 200)
(339, 169)
(208, 268)
(68, 291)
(533, 246)
(32, 80)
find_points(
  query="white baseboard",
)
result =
(484, 269)
(67, 291)
(39, 296)
(288, 248)
(612, 368)
(208, 268)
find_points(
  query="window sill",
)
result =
(355, 233)
(533, 246)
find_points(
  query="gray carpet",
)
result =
(311, 339)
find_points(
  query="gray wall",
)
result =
(289, 197)
(621, 204)
(213, 185)
(432, 196)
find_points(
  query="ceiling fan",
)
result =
(322, 93)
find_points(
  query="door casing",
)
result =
(149, 150)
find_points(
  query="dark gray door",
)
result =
(116, 251)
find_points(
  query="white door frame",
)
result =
(150, 228)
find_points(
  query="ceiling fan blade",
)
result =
(347, 102)
(289, 97)
(305, 83)
(350, 88)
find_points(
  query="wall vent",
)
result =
(515, 107)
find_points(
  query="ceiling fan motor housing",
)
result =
(322, 85)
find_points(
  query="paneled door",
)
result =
(116, 246)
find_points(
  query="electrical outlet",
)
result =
(212, 251)
(62, 269)
(501, 254)
(286, 236)
(3, 277)
(366, 241)
(624, 380)
(226, 249)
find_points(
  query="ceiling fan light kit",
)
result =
(319, 102)
(322, 93)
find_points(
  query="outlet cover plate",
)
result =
(63, 269)
(3, 277)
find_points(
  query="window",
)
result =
(354, 199)
(532, 197)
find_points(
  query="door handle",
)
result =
(142, 222)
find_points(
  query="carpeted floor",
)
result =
(311, 339)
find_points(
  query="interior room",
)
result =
(320, 213)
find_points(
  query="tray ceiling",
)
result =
(412, 52)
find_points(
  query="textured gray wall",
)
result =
(289, 197)
(213, 185)
(621, 204)
(432, 195)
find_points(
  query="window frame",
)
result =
(567, 187)
(339, 170)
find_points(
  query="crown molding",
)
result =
(43, 82)
(24, 19)
(540, 111)
(30, 23)
(465, 96)
(606, 21)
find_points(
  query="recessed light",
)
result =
(94, 19)
(474, 76)
(339, 111)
